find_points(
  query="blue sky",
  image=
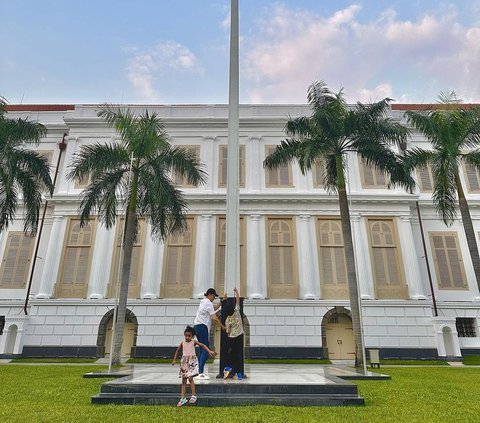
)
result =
(165, 51)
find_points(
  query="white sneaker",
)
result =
(203, 376)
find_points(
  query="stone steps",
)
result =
(228, 393)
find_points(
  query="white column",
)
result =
(362, 258)
(52, 257)
(204, 257)
(410, 259)
(102, 257)
(152, 268)
(256, 282)
(307, 261)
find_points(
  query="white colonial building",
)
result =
(293, 274)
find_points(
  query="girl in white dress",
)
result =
(189, 364)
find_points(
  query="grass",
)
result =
(59, 394)
(54, 360)
(471, 360)
(411, 363)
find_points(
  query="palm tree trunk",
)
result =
(350, 261)
(468, 228)
(128, 242)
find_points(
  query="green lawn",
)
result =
(59, 394)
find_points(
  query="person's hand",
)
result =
(173, 363)
(235, 290)
(212, 353)
(224, 296)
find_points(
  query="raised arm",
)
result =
(237, 297)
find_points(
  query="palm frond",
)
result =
(161, 203)
(102, 196)
(283, 154)
(14, 132)
(181, 161)
(98, 158)
(416, 158)
(444, 194)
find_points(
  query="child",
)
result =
(189, 364)
(234, 329)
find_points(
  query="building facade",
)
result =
(293, 273)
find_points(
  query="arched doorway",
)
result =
(448, 341)
(104, 337)
(11, 339)
(337, 335)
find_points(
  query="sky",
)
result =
(177, 51)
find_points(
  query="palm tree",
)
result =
(134, 174)
(22, 171)
(332, 131)
(454, 133)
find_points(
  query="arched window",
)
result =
(179, 262)
(281, 267)
(76, 261)
(333, 268)
(385, 257)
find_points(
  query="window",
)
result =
(280, 177)
(137, 261)
(448, 260)
(220, 260)
(385, 257)
(76, 260)
(466, 327)
(331, 252)
(372, 178)
(318, 174)
(46, 153)
(179, 262)
(425, 179)
(281, 269)
(222, 171)
(2, 324)
(473, 178)
(181, 181)
(16, 260)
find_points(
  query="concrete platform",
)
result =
(299, 385)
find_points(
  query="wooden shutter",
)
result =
(222, 166)
(448, 260)
(136, 268)
(385, 255)
(220, 257)
(17, 257)
(180, 180)
(179, 262)
(280, 177)
(333, 267)
(425, 179)
(282, 274)
(318, 174)
(472, 176)
(77, 255)
(372, 177)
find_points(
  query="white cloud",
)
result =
(385, 56)
(147, 65)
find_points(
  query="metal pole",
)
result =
(119, 270)
(62, 146)
(232, 253)
(434, 301)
